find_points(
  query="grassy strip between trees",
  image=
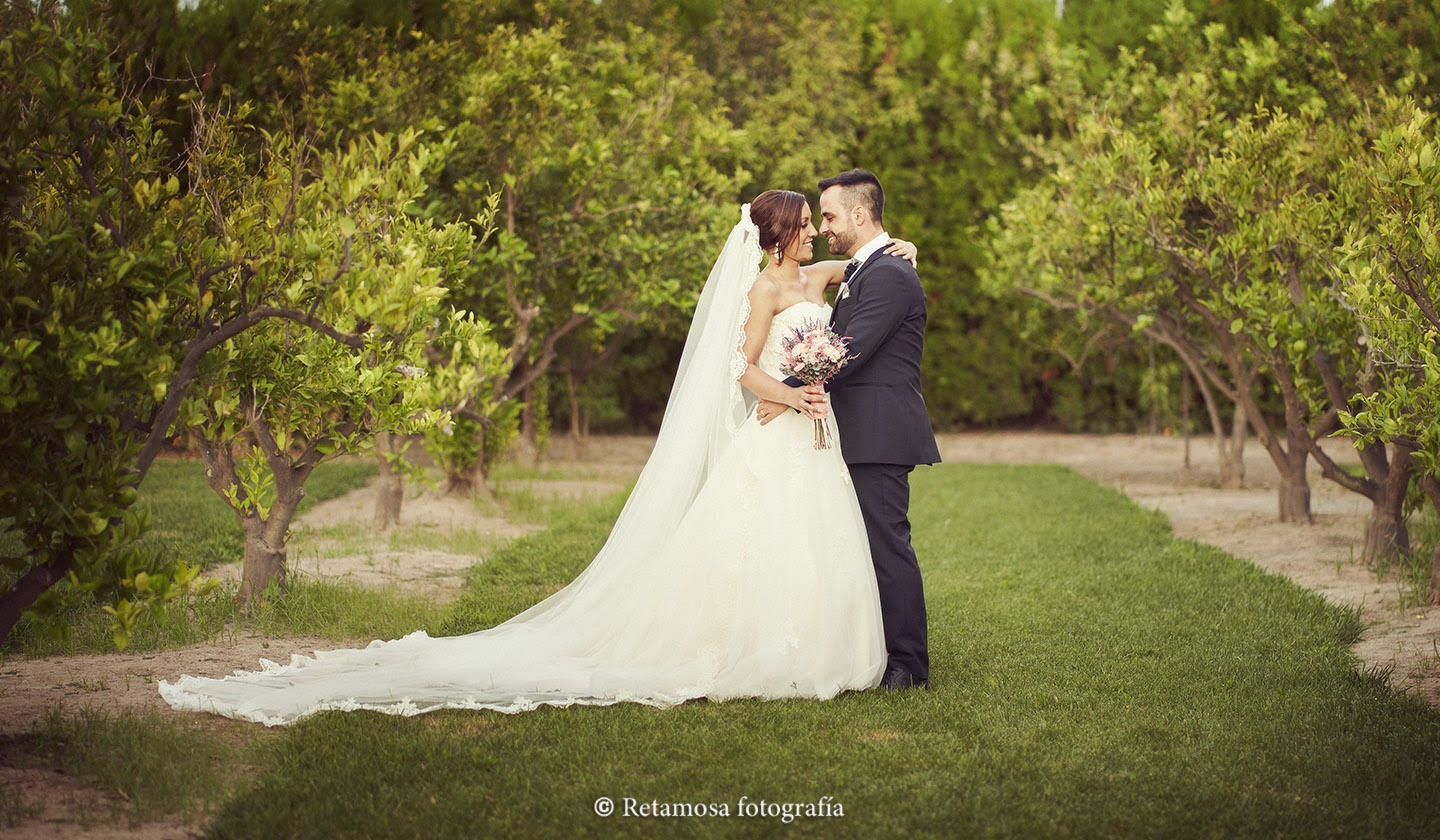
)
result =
(190, 521)
(1093, 677)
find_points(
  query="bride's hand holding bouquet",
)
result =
(813, 354)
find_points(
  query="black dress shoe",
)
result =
(897, 678)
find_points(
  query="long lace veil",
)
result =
(706, 407)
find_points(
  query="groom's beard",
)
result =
(841, 244)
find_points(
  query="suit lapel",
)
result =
(860, 272)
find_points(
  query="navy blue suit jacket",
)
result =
(876, 396)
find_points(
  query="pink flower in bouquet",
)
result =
(813, 353)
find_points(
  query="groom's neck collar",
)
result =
(871, 247)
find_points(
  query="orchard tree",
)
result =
(460, 379)
(602, 154)
(1207, 229)
(1393, 263)
(101, 267)
(1077, 244)
(332, 238)
(1214, 257)
(126, 262)
(607, 155)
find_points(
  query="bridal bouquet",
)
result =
(813, 353)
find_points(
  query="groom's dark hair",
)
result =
(861, 187)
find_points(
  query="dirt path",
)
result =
(438, 539)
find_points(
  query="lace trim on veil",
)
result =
(739, 363)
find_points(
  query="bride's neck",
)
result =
(786, 271)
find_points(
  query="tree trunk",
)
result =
(265, 539)
(1154, 409)
(1227, 466)
(26, 591)
(527, 413)
(463, 483)
(572, 392)
(1294, 487)
(390, 488)
(526, 449)
(584, 450)
(1185, 416)
(264, 558)
(1432, 490)
(1434, 594)
(473, 482)
(579, 416)
(1232, 452)
(1386, 537)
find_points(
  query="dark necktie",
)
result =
(844, 287)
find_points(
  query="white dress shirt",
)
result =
(871, 247)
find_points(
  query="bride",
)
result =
(739, 566)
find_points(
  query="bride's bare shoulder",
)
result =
(765, 294)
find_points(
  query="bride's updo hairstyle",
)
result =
(777, 213)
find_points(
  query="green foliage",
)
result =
(791, 80)
(142, 270)
(332, 241)
(98, 252)
(1107, 28)
(336, 166)
(1393, 283)
(958, 91)
(605, 152)
(461, 378)
(1196, 206)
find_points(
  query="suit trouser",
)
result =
(884, 494)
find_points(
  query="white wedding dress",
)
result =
(739, 568)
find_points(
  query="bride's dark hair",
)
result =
(777, 213)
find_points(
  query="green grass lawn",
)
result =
(189, 520)
(1093, 677)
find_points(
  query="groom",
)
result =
(884, 430)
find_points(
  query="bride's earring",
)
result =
(779, 256)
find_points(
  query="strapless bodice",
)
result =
(793, 317)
